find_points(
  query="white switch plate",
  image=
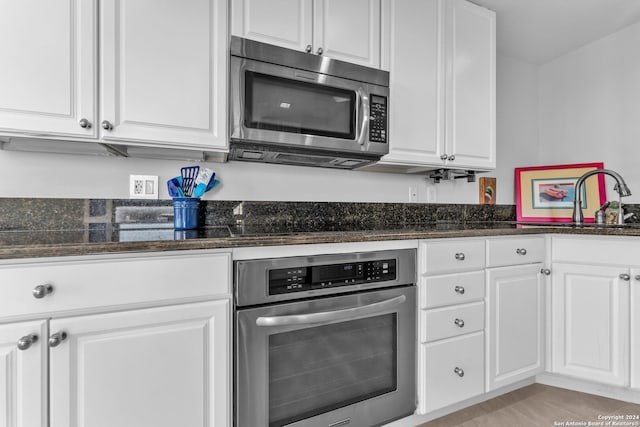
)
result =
(431, 195)
(143, 186)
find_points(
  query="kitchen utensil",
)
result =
(174, 186)
(205, 176)
(189, 174)
(212, 184)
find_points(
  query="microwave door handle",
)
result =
(363, 101)
(331, 316)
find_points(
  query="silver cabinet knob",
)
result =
(460, 256)
(451, 157)
(308, 48)
(521, 251)
(459, 323)
(57, 338)
(637, 277)
(545, 271)
(444, 157)
(106, 125)
(27, 341)
(85, 124)
(42, 291)
(319, 51)
(459, 372)
(625, 277)
(459, 289)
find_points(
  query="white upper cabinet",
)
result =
(348, 30)
(345, 30)
(163, 71)
(285, 23)
(48, 72)
(162, 74)
(470, 106)
(442, 71)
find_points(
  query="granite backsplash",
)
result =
(87, 214)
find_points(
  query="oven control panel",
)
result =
(300, 279)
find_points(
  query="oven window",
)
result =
(319, 369)
(276, 103)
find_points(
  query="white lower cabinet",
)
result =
(454, 370)
(161, 367)
(451, 353)
(590, 331)
(635, 328)
(23, 374)
(134, 340)
(515, 313)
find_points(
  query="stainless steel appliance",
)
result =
(293, 107)
(325, 340)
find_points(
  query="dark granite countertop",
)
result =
(159, 237)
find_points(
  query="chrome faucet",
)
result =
(620, 187)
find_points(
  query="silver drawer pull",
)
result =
(57, 338)
(459, 289)
(459, 323)
(460, 256)
(459, 372)
(521, 251)
(637, 277)
(625, 277)
(27, 341)
(545, 271)
(42, 291)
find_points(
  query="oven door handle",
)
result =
(331, 316)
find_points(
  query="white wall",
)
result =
(589, 107)
(74, 176)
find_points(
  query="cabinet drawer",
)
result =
(101, 281)
(452, 289)
(452, 321)
(527, 250)
(443, 383)
(454, 255)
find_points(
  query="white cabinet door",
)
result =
(471, 86)
(163, 72)
(48, 72)
(348, 30)
(590, 326)
(416, 83)
(345, 30)
(515, 308)
(23, 375)
(442, 65)
(285, 23)
(161, 367)
(635, 328)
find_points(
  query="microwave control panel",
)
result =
(301, 279)
(378, 115)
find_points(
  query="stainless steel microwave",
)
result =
(298, 108)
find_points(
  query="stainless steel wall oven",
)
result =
(325, 340)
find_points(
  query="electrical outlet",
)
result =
(413, 194)
(143, 186)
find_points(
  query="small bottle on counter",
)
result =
(599, 217)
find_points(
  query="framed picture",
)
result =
(547, 193)
(487, 191)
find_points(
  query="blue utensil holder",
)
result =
(185, 213)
